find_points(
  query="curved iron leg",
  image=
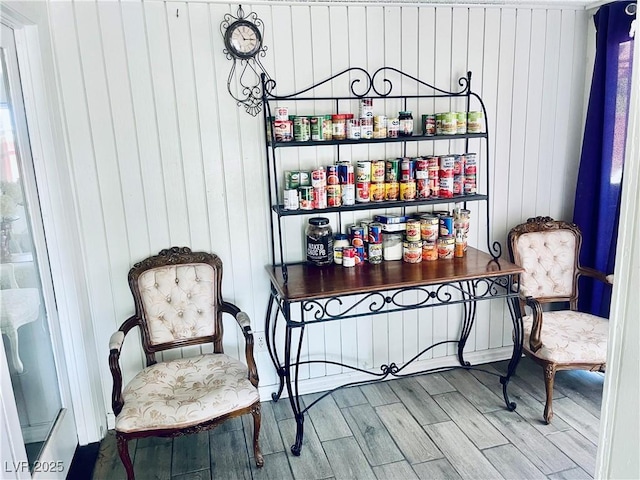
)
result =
(292, 389)
(469, 315)
(270, 338)
(518, 338)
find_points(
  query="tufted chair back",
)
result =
(548, 251)
(177, 298)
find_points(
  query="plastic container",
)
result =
(319, 241)
(340, 241)
(392, 245)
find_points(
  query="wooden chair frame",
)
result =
(178, 256)
(544, 224)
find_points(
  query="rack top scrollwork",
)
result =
(364, 84)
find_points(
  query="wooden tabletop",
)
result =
(310, 282)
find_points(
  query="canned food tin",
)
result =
(391, 191)
(346, 174)
(374, 233)
(375, 253)
(366, 108)
(283, 130)
(447, 165)
(316, 128)
(378, 171)
(470, 186)
(348, 194)
(470, 164)
(429, 125)
(366, 128)
(332, 175)
(339, 127)
(421, 166)
(306, 198)
(291, 199)
(320, 197)
(363, 193)
(446, 246)
(458, 184)
(475, 121)
(434, 186)
(305, 178)
(446, 225)
(392, 170)
(429, 228)
(406, 170)
(439, 118)
(291, 179)
(327, 128)
(393, 127)
(429, 252)
(408, 190)
(423, 190)
(353, 129)
(461, 122)
(458, 164)
(413, 231)
(363, 172)
(449, 123)
(319, 178)
(360, 255)
(433, 163)
(379, 126)
(356, 235)
(412, 252)
(377, 192)
(334, 196)
(301, 129)
(348, 257)
(282, 113)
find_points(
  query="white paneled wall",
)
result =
(161, 155)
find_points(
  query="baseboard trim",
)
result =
(321, 384)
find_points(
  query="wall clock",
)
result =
(243, 41)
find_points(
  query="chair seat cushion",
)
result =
(185, 392)
(570, 337)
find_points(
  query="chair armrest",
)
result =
(245, 325)
(535, 343)
(593, 273)
(115, 345)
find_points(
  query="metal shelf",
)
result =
(413, 138)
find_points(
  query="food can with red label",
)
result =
(413, 231)
(282, 113)
(470, 186)
(458, 164)
(391, 191)
(363, 193)
(423, 190)
(353, 129)
(421, 168)
(363, 171)
(348, 194)
(332, 175)
(378, 171)
(446, 225)
(320, 197)
(393, 127)
(366, 128)
(377, 192)
(433, 163)
(374, 232)
(406, 170)
(365, 109)
(446, 187)
(319, 178)
(412, 252)
(346, 174)
(429, 252)
(429, 228)
(392, 170)
(470, 164)
(408, 190)
(458, 184)
(348, 257)
(306, 198)
(283, 130)
(447, 165)
(334, 196)
(429, 125)
(446, 246)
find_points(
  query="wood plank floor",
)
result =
(444, 425)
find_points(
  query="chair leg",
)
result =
(257, 419)
(549, 377)
(123, 451)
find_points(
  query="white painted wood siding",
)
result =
(161, 155)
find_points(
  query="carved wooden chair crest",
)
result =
(549, 251)
(178, 303)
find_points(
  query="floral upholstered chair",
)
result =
(178, 303)
(549, 250)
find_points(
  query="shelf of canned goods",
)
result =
(374, 262)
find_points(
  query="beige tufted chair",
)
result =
(549, 250)
(178, 303)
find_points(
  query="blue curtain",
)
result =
(597, 201)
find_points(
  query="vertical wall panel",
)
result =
(162, 155)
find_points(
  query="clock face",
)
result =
(243, 39)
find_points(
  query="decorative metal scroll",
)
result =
(378, 302)
(250, 72)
